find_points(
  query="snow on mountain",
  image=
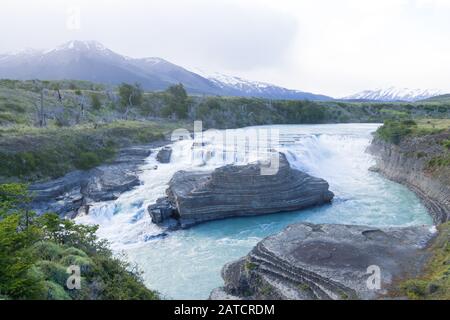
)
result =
(92, 61)
(234, 85)
(394, 94)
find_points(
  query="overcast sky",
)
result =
(322, 46)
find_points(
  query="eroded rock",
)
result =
(307, 261)
(72, 194)
(229, 191)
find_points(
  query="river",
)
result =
(186, 264)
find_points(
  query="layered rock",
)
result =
(307, 261)
(230, 191)
(73, 193)
(406, 163)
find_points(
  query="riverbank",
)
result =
(313, 261)
(417, 155)
(40, 154)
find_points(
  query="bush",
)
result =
(49, 250)
(446, 143)
(35, 252)
(87, 160)
(395, 131)
(53, 271)
(95, 102)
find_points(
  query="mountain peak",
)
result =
(92, 61)
(394, 94)
(79, 45)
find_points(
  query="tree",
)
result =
(35, 252)
(95, 101)
(176, 102)
(130, 96)
(40, 109)
(17, 234)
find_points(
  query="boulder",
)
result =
(164, 155)
(327, 261)
(230, 191)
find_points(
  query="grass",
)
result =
(435, 282)
(30, 154)
(249, 266)
(395, 131)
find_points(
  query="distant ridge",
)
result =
(92, 61)
(393, 94)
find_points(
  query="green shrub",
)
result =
(74, 251)
(439, 161)
(53, 271)
(85, 263)
(446, 143)
(395, 131)
(87, 160)
(55, 291)
(414, 289)
(49, 250)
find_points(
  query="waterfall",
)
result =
(174, 263)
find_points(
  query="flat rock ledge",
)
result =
(74, 193)
(326, 261)
(231, 191)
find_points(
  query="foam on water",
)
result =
(186, 263)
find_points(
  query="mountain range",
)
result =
(90, 60)
(393, 94)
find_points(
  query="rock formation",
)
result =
(73, 193)
(164, 155)
(230, 191)
(307, 261)
(406, 163)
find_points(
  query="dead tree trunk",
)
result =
(41, 111)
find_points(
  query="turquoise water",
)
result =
(186, 264)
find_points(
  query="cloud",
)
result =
(325, 46)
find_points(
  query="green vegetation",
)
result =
(439, 162)
(176, 102)
(435, 282)
(250, 266)
(395, 131)
(79, 127)
(40, 153)
(79, 102)
(446, 143)
(95, 101)
(130, 96)
(36, 251)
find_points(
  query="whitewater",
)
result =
(186, 264)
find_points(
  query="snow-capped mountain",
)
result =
(232, 85)
(394, 94)
(90, 60)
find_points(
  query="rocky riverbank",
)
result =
(231, 191)
(308, 261)
(72, 194)
(410, 163)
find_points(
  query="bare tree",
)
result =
(40, 110)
